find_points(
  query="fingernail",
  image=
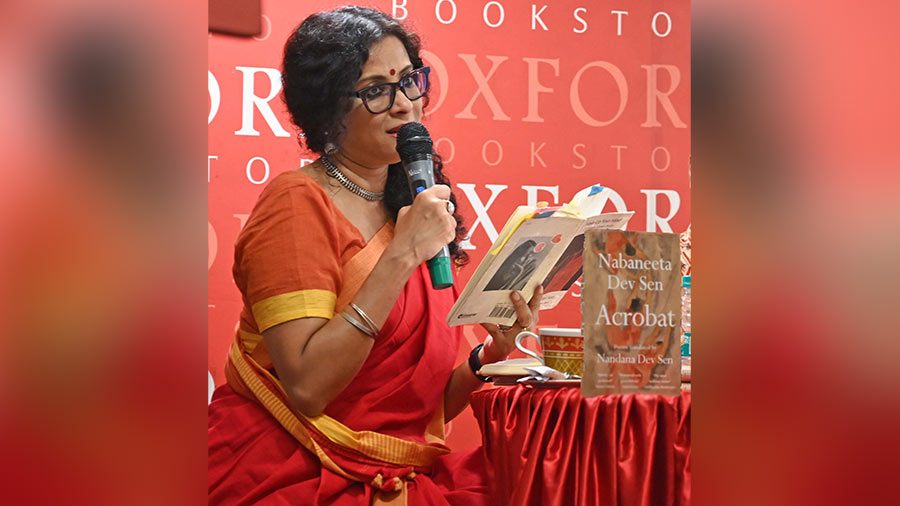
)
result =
(516, 296)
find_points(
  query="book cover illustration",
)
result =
(567, 269)
(631, 313)
(520, 264)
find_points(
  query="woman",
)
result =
(341, 377)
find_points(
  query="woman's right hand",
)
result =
(426, 226)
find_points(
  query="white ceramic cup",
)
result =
(561, 348)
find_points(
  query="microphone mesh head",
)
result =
(413, 139)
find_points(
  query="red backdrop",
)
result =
(531, 101)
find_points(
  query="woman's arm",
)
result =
(317, 358)
(496, 347)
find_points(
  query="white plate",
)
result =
(553, 383)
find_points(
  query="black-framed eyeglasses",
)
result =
(380, 97)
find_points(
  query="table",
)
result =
(552, 447)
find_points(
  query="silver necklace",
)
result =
(335, 172)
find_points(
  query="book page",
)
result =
(608, 221)
(521, 264)
(516, 218)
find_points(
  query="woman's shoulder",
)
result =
(290, 196)
(295, 188)
(293, 180)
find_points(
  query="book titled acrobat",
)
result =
(631, 313)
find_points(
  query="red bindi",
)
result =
(393, 71)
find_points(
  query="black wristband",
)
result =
(475, 364)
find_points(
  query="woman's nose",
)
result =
(402, 104)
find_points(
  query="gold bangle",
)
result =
(359, 326)
(368, 321)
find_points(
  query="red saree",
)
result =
(381, 440)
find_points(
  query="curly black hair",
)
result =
(323, 60)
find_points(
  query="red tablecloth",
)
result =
(552, 447)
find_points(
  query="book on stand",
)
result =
(631, 313)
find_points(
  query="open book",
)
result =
(537, 246)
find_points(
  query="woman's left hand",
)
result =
(502, 340)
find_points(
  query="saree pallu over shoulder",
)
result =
(357, 269)
(384, 462)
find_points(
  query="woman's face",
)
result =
(371, 139)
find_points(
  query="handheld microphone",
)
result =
(415, 147)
